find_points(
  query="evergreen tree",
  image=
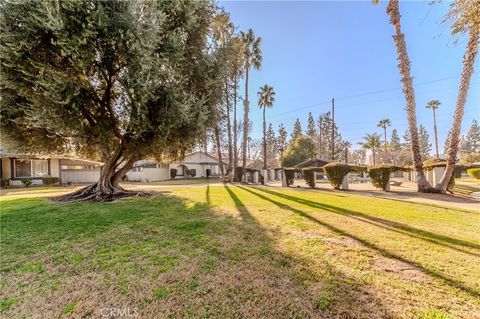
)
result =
(324, 139)
(424, 141)
(115, 80)
(406, 140)
(395, 141)
(282, 142)
(471, 142)
(271, 140)
(297, 130)
(311, 127)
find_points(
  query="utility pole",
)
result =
(333, 129)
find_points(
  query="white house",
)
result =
(148, 171)
(69, 170)
(200, 162)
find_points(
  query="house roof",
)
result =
(312, 163)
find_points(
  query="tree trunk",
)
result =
(264, 140)
(373, 155)
(435, 132)
(108, 186)
(385, 138)
(229, 135)
(454, 141)
(245, 124)
(219, 153)
(407, 82)
(235, 149)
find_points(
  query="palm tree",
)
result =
(384, 124)
(371, 142)
(407, 82)
(465, 15)
(236, 64)
(252, 57)
(266, 98)
(434, 104)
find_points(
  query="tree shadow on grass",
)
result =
(162, 254)
(381, 251)
(388, 224)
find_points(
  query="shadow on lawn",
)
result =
(239, 272)
(380, 222)
(366, 243)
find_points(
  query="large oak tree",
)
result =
(116, 80)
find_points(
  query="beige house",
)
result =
(200, 162)
(16, 167)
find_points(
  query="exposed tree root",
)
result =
(97, 193)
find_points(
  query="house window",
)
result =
(31, 168)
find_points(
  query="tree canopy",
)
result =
(114, 80)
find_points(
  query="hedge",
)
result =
(309, 175)
(209, 172)
(238, 173)
(337, 171)
(474, 172)
(4, 182)
(173, 172)
(27, 181)
(50, 180)
(191, 172)
(289, 175)
(380, 175)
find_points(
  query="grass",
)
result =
(234, 251)
(188, 181)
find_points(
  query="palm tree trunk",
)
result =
(373, 155)
(264, 140)
(435, 132)
(219, 152)
(245, 123)
(385, 138)
(235, 149)
(467, 71)
(407, 82)
(229, 134)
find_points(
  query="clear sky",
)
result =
(313, 51)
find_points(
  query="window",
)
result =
(31, 168)
(23, 168)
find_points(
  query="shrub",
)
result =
(27, 182)
(238, 174)
(337, 171)
(50, 180)
(289, 176)
(309, 175)
(261, 178)
(4, 182)
(192, 172)
(208, 172)
(173, 172)
(474, 172)
(380, 175)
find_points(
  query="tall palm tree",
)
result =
(266, 98)
(252, 55)
(384, 124)
(433, 105)
(407, 82)
(371, 142)
(466, 19)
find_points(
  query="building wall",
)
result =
(55, 167)
(80, 176)
(149, 175)
(6, 169)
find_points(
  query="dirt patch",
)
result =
(404, 270)
(343, 241)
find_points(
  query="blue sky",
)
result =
(313, 51)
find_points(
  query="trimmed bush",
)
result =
(380, 174)
(27, 181)
(173, 173)
(4, 182)
(191, 172)
(50, 180)
(238, 174)
(208, 172)
(309, 175)
(289, 176)
(474, 172)
(337, 171)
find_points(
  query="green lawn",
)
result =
(239, 252)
